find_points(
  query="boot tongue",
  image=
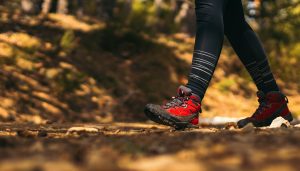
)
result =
(184, 91)
(275, 96)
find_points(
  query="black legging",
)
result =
(214, 19)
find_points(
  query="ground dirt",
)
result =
(146, 146)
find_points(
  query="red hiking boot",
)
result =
(181, 112)
(271, 106)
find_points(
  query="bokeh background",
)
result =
(103, 60)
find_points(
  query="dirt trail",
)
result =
(143, 146)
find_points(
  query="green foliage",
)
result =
(67, 42)
(119, 42)
(144, 16)
(68, 81)
(280, 31)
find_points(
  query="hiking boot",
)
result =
(271, 106)
(180, 112)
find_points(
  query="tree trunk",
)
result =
(182, 12)
(28, 6)
(62, 6)
(157, 4)
(46, 6)
(79, 8)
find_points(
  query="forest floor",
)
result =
(146, 146)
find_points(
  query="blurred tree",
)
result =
(30, 6)
(280, 21)
(27, 6)
(46, 6)
(182, 12)
(62, 6)
(277, 21)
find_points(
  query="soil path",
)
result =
(146, 147)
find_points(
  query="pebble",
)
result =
(82, 129)
(297, 126)
(42, 133)
(280, 122)
(248, 128)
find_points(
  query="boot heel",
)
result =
(288, 117)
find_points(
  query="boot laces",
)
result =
(177, 101)
(263, 105)
(261, 108)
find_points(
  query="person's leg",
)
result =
(183, 109)
(208, 44)
(248, 47)
(272, 103)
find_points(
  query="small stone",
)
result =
(82, 129)
(231, 126)
(280, 122)
(26, 133)
(297, 126)
(42, 133)
(248, 128)
(117, 131)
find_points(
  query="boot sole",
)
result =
(289, 117)
(166, 119)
